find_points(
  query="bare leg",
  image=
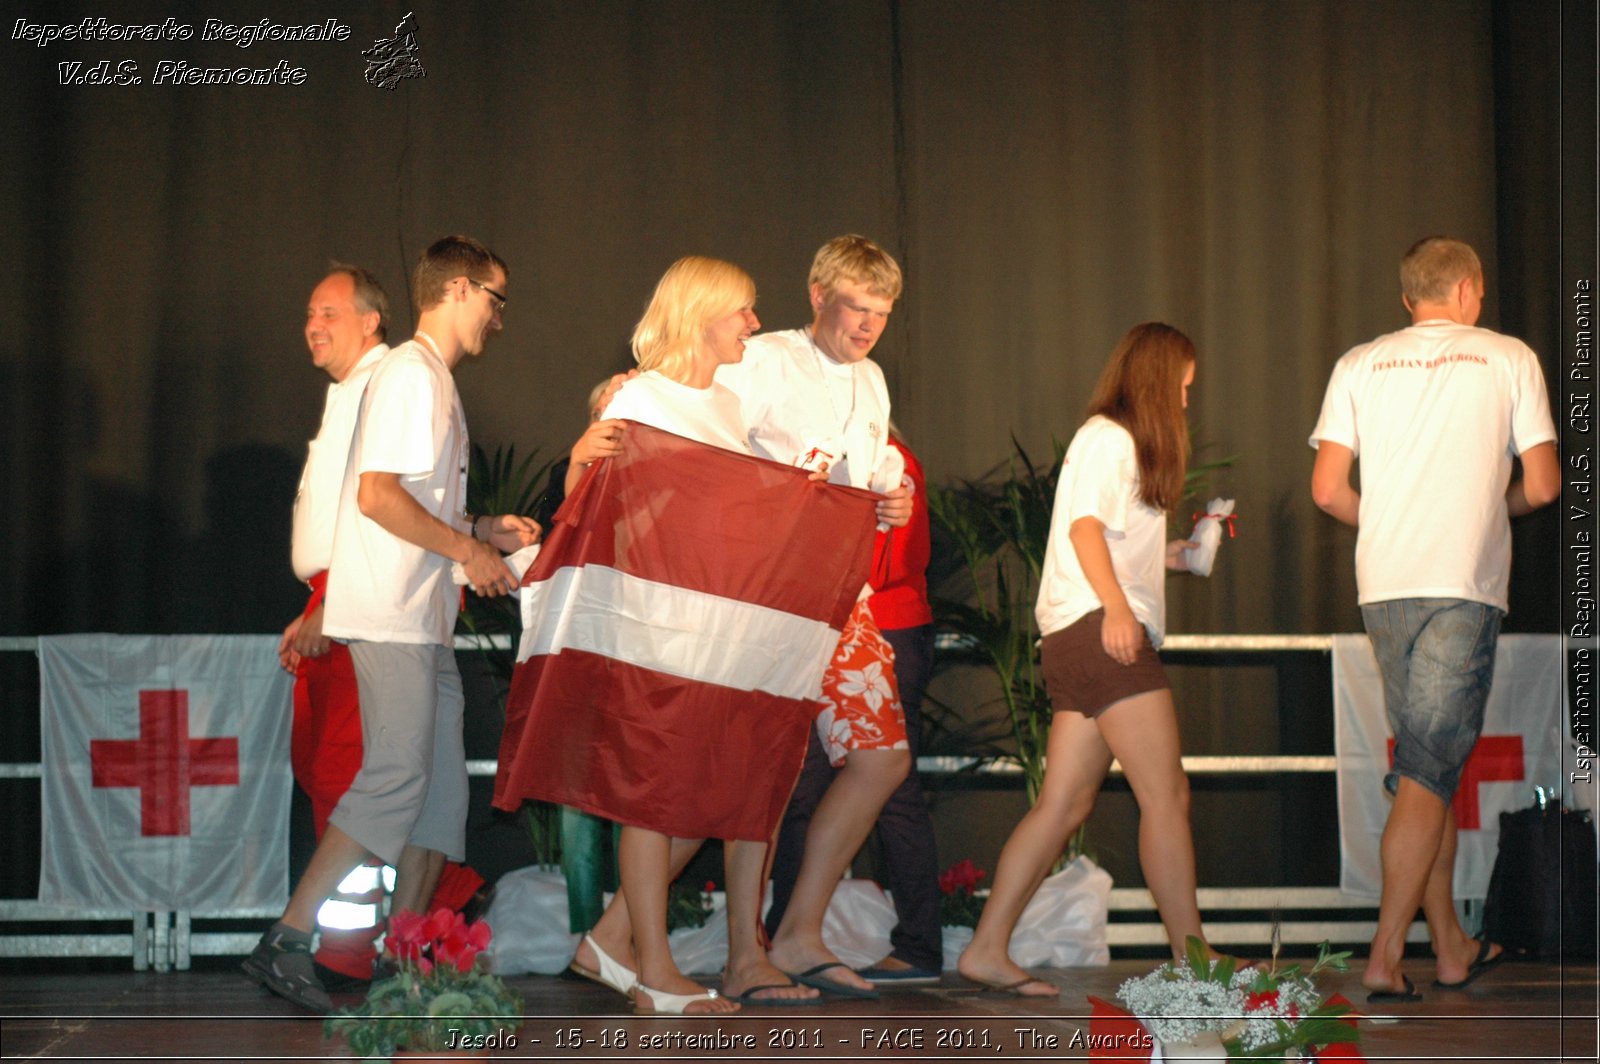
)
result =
(1410, 848)
(416, 875)
(614, 930)
(1075, 766)
(748, 965)
(335, 856)
(1142, 731)
(644, 858)
(843, 819)
(1453, 949)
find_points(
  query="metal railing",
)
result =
(167, 940)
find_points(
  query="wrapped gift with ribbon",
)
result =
(1208, 534)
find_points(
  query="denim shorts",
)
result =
(1437, 661)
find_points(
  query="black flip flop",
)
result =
(1408, 996)
(1481, 964)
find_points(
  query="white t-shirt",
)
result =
(798, 401)
(1435, 413)
(1100, 479)
(316, 502)
(709, 415)
(381, 588)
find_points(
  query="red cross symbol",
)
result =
(164, 762)
(1495, 757)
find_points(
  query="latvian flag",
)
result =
(676, 626)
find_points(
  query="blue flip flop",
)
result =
(813, 977)
(749, 997)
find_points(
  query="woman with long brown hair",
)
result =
(1102, 609)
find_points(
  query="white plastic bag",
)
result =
(1064, 925)
(529, 919)
(1208, 533)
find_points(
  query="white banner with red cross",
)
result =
(166, 772)
(1522, 746)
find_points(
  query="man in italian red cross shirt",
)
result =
(1437, 413)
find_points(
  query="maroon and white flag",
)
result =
(166, 772)
(676, 626)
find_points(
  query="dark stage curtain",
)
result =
(1050, 174)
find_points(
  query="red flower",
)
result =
(441, 922)
(1253, 1001)
(406, 938)
(961, 876)
(461, 946)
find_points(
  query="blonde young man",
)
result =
(401, 523)
(813, 397)
(1435, 412)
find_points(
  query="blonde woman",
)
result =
(699, 318)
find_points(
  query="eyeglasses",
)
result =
(500, 300)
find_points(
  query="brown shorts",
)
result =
(1080, 675)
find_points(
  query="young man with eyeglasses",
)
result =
(402, 521)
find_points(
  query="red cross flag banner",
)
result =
(1522, 746)
(688, 598)
(166, 772)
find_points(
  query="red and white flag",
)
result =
(687, 599)
(166, 772)
(1520, 748)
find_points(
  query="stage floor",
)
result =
(1519, 1012)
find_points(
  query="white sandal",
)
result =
(665, 1004)
(612, 973)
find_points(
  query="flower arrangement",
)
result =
(1258, 1013)
(688, 906)
(440, 997)
(959, 903)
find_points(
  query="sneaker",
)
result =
(284, 966)
(336, 982)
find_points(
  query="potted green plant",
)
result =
(441, 999)
(999, 525)
(500, 483)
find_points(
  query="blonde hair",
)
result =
(1434, 266)
(694, 292)
(855, 258)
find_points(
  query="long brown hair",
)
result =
(1141, 389)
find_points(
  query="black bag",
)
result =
(1542, 891)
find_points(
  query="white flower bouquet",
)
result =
(1267, 1013)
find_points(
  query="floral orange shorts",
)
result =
(860, 699)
